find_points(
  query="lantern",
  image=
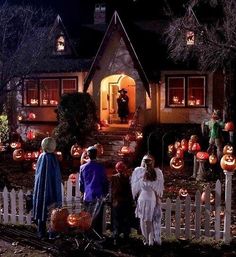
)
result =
(228, 149)
(176, 163)
(213, 159)
(58, 221)
(76, 151)
(228, 162)
(15, 145)
(18, 154)
(99, 148)
(229, 126)
(73, 219)
(73, 178)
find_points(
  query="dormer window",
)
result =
(60, 44)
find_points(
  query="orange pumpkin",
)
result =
(180, 152)
(18, 154)
(58, 220)
(228, 149)
(228, 162)
(177, 144)
(202, 156)
(229, 126)
(183, 192)
(81, 220)
(184, 144)
(213, 159)
(176, 163)
(15, 145)
(76, 151)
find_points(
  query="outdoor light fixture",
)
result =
(190, 38)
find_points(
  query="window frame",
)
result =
(186, 78)
(38, 81)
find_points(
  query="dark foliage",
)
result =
(77, 119)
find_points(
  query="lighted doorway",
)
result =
(109, 94)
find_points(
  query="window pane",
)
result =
(49, 92)
(69, 86)
(31, 96)
(196, 91)
(176, 91)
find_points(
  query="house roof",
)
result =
(116, 24)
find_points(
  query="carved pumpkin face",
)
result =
(58, 221)
(213, 159)
(229, 126)
(82, 220)
(228, 149)
(228, 162)
(15, 145)
(125, 149)
(202, 156)
(28, 155)
(73, 178)
(18, 155)
(176, 163)
(59, 155)
(76, 151)
(183, 192)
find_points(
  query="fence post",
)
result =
(227, 217)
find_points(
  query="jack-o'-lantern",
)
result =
(183, 192)
(229, 126)
(203, 198)
(34, 155)
(228, 149)
(202, 156)
(59, 155)
(48, 144)
(171, 150)
(184, 144)
(33, 165)
(76, 151)
(28, 155)
(73, 219)
(73, 178)
(15, 145)
(213, 159)
(18, 154)
(125, 149)
(176, 163)
(228, 162)
(194, 138)
(99, 148)
(180, 152)
(58, 221)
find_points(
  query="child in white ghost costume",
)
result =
(147, 184)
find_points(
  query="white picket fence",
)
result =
(187, 218)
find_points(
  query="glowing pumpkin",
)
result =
(73, 178)
(183, 192)
(59, 155)
(184, 144)
(125, 149)
(180, 152)
(176, 163)
(76, 151)
(228, 162)
(194, 138)
(229, 126)
(195, 148)
(177, 144)
(15, 145)
(213, 159)
(202, 156)
(228, 149)
(58, 221)
(28, 155)
(18, 154)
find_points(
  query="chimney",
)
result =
(100, 13)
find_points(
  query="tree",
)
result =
(77, 119)
(213, 23)
(24, 42)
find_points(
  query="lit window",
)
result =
(31, 94)
(186, 91)
(49, 92)
(60, 44)
(69, 86)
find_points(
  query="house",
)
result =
(130, 56)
